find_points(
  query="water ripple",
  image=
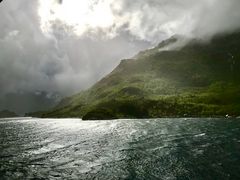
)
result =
(119, 149)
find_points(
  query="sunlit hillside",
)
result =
(200, 79)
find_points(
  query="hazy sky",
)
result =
(67, 45)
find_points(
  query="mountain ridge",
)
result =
(7, 114)
(199, 79)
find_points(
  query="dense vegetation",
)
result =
(200, 79)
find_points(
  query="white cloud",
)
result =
(67, 47)
(150, 20)
(59, 60)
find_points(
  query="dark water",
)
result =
(122, 149)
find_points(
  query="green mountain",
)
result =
(199, 79)
(7, 114)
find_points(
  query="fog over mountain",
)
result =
(65, 46)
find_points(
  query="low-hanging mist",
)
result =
(66, 46)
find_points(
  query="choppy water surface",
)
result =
(120, 149)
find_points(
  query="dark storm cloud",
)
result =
(31, 60)
(60, 60)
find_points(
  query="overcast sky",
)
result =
(67, 45)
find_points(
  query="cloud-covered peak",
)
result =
(66, 46)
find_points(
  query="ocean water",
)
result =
(120, 149)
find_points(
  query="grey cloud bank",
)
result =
(61, 60)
